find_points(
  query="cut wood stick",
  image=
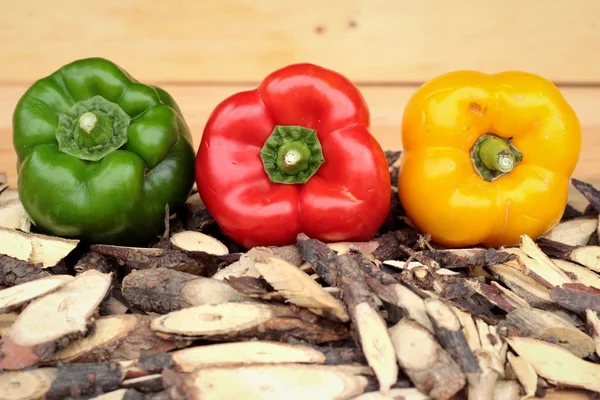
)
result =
(577, 297)
(579, 273)
(514, 299)
(545, 325)
(35, 248)
(574, 232)
(244, 320)
(429, 367)
(525, 374)
(196, 242)
(25, 292)
(492, 294)
(468, 257)
(538, 263)
(320, 256)
(6, 320)
(394, 394)
(287, 381)
(588, 256)
(117, 337)
(296, 286)
(557, 364)
(593, 326)
(255, 288)
(53, 321)
(525, 287)
(241, 353)
(97, 261)
(65, 381)
(14, 271)
(163, 290)
(240, 268)
(14, 216)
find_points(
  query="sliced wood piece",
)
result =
(588, 256)
(345, 247)
(540, 264)
(467, 257)
(53, 321)
(25, 292)
(370, 327)
(525, 374)
(296, 286)
(255, 288)
(14, 271)
(162, 290)
(194, 241)
(289, 253)
(97, 261)
(511, 296)
(241, 268)
(35, 248)
(508, 390)
(244, 353)
(429, 367)
(65, 381)
(493, 294)
(117, 337)
(14, 216)
(593, 326)
(243, 320)
(557, 364)
(394, 394)
(6, 320)
(577, 297)
(575, 231)
(525, 287)
(578, 273)
(287, 381)
(545, 325)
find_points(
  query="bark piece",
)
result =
(14, 271)
(67, 381)
(289, 253)
(494, 295)
(557, 364)
(194, 241)
(588, 256)
(54, 320)
(593, 326)
(240, 268)
(429, 367)
(574, 232)
(464, 296)
(118, 337)
(25, 292)
(577, 297)
(512, 297)
(256, 288)
(97, 261)
(545, 325)
(392, 245)
(244, 320)
(150, 258)
(296, 286)
(320, 256)
(589, 192)
(525, 287)
(468, 258)
(289, 381)
(35, 248)
(14, 216)
(163, 290)
(525, 373)
(243, 353)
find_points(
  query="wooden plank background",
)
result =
(202, 51)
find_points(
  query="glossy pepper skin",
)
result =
(294, 155)
(464, 190)
(100, 154)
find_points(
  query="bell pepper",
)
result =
(487, 157)
(294, 155)
(100, 155)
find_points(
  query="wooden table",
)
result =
(203, 51)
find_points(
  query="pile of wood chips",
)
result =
(193, 316)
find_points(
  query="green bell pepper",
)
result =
(100, 155)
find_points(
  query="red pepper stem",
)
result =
(291, 154)
(494, 157)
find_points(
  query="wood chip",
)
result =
(593, 326)
(35, 248)
(574, 232)
(14, 216)
(296, 286)
(288, 381)
(193, 241)
(537, 262)
(525, 373)
(533, 292)
(163, 290)
(394, 394)
(23, 293)
(232, 321)
(429, 367)
(35, 336)
(578, 273)
(557, 364)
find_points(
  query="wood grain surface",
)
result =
(241, 40)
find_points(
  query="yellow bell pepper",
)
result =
(487, 157)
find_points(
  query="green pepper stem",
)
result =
(92, 128)
(494, 157)
(291, 154)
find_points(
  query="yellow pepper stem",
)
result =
(494, 157)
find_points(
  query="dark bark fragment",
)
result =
(577, 297)
(320, 256)
(392, 244)
(469, 258)
(79, 380)
(589, 192)
(14, 271)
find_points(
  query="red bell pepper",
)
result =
(294, 155)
